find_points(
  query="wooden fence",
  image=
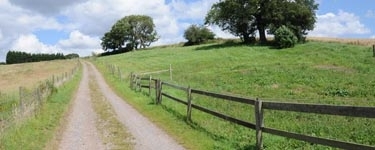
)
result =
(260, 106)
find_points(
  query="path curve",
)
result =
(147, 135)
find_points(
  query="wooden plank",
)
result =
(225, 97)
(145, 86)
(317, 140)
(353, 111)
(225, 117)
(145, 78)
(175, 86)
(154, 72)
(174, 98)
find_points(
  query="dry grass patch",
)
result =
(352, 41)
(29, 74)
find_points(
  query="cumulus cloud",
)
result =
(342, 23)
(31, 44)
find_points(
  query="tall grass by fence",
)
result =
(15, 109)
(157, 86)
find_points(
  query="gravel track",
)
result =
(81, 132)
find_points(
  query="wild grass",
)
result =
(315, 72)
(35, 132)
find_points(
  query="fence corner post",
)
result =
(259, 124)
(373, 50)
(189, 98)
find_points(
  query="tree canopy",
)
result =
(133, 32)
(197, 34)
(244, 17)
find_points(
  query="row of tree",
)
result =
(288, 20)
(15, 57)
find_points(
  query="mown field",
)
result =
(315, 72)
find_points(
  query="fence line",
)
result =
(31, 100)
(260, 106)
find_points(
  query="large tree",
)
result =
(244, 17)
(134, 31)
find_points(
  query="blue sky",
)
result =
(76, 26)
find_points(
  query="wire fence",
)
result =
(14, 109)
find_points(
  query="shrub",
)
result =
(285, 38)
(197, 34)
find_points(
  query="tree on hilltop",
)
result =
(133, 32)
(244, 17)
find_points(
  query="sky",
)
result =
(76, 26)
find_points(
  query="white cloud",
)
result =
(31, 44)
(370, 14)
(88, 20)
(342, 23)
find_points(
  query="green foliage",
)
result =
(197, 34)
(71, 56)
(243, 17)
(134, 31)
(285, 38)
(15, 57)
(315, 72)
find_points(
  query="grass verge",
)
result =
(35, 132)
(112, 132)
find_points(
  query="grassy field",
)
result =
(37, 131)
(29, 74)
(315, 72)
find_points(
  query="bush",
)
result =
(197, 34)
(285, 38)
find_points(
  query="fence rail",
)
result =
(260, 106)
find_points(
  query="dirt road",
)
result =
(82, 134)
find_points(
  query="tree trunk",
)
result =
(262, 34)
(246, 38)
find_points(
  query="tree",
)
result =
(197, 34)
(134, 31)
(234, 16)
(244, 17)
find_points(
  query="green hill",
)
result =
(315, 72)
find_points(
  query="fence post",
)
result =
(188, 116)
(21, 100)
(39, 96)
(258, 123)
(119, 73)
(159, 95)
(373, 50)
(170, 71)
(131, 80)
(149, 86)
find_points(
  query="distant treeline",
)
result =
(15, 57)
